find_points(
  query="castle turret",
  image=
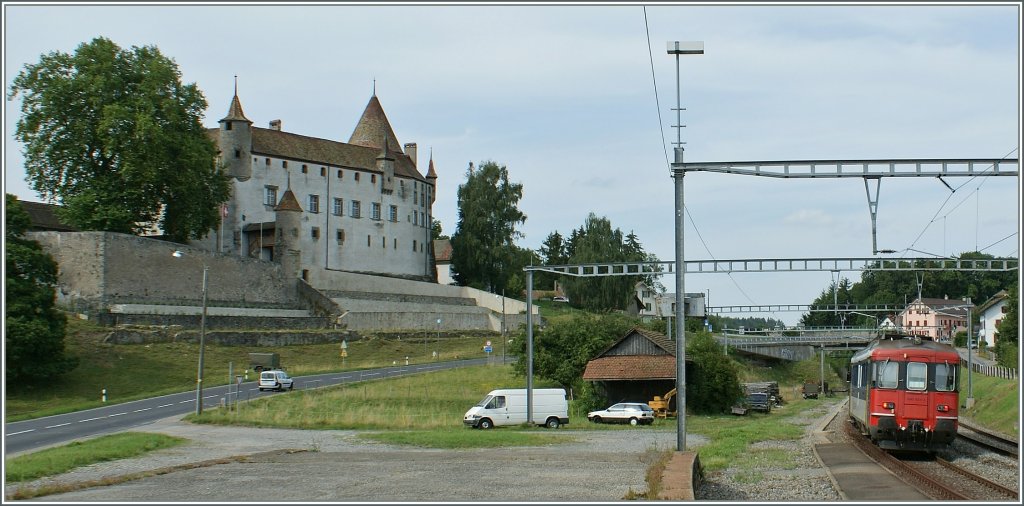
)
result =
(287, 246)
(432, 178)
(235, 140)
(386, 165)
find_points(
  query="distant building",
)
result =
(44, 217)
(362, 205)
(443, 261)
(989, 315)
(940, 319)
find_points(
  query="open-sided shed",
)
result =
(636, 367)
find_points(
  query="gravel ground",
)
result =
(337, 466)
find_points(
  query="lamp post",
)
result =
(677, 48)
(202, 336)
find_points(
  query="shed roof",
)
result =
(43, 216)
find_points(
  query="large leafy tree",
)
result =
(34, 337)
(117, 139)
(714, 386)
(597, 242)
(483, 253)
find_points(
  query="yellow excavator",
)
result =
(660, 405)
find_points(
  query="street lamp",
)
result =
(202, 335)
(677, 48)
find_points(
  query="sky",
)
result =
(577, 102)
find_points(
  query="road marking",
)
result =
(91, 419)
(141, 410)
(58, 425)
(21, 432)
(164, 405)
(116, 414)
(187, 401)
(371, 374)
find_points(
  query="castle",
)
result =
(317, 205)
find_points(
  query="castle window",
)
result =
(340, 173)
(355, 209)
(268, 161)
(339, 206)
(415, 218)
(415, 198)
(284, 163)
(373, 178)
(367, 240)
(383, 242)
(238, 153)
(357, 176)
(270, 195)
(340, 235)
(314, 203)
(396, 243)
(394, 214)
(323, 171)
(227, 125)
(304, 170)
(305, 275)
(375, 210)
(414, 245)
(315, 233)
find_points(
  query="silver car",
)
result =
(275, 380)
(633, 413)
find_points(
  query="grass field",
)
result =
(53, 461)
(135, 371)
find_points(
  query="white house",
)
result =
(989, 315)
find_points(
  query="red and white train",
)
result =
(904, 393)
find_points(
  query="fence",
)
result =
(996, 371)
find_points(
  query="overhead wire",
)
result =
(950, 196)
(664, 147)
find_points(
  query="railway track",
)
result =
(1001, 491)
(988, 440)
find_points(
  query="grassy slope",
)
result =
(135, 371)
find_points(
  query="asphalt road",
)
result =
(53, 430)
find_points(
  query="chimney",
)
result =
(275, 125)
(410, 151)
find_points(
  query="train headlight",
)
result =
(888, 405)
(942, 408)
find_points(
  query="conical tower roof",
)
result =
(430, 168)
(288, 202)
(373, 129)
(235, 111)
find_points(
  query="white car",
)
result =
(275, 380)
(560, 299)
(633, 413)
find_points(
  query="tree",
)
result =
(596, 241)
(1008, 343)
(34, 337)
(552, 252)
(714, 385)
(117, 139)
(435, 230)
(482, 248)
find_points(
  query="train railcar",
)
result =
(904, 393)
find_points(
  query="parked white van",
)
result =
(508, 407)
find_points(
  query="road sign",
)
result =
(488, 343)
(344, 353)
(488, 349)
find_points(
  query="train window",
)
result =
(945, 377)
(887, 374)
(917, 376)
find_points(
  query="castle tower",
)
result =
(373, 129)
(386, 164)
(235, 140)
(432, 178)
(287, 240)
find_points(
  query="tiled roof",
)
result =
(442, 250)
(945, 305)
(631, 367)
(288, 202)
(235, 111)
(338, 154)
(430, 171)
(43, 217)
(373, 128)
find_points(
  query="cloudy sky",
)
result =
(565, 97)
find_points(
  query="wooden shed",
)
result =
(635, 368)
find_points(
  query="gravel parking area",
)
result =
(597, 466)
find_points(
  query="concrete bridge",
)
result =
(806, 344)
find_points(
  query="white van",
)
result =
(508, 407)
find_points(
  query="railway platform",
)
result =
(858, 478)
